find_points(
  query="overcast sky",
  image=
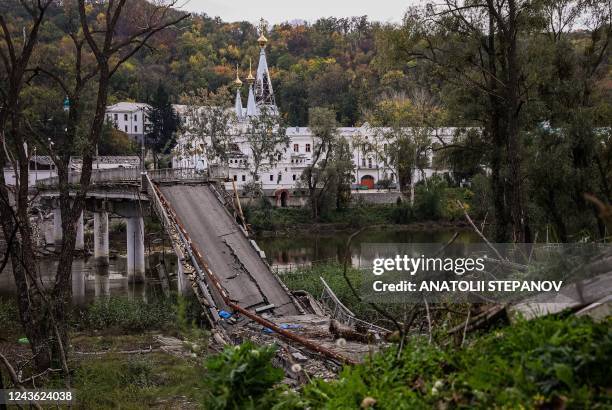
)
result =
(276, 11)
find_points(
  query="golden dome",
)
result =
(237, 81)
(250, 77)
(262, 40)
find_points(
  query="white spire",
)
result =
(251, 107)
(263, 84)
(238, 105)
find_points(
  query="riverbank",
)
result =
(285, 221)
(328, 228)
(555, 362)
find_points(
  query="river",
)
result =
(301, 249)
(282, 252)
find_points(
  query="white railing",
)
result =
(175, 174)
(127, 175)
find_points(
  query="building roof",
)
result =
(125, 106)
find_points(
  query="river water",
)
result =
(283, 253)
(300, 250)
(90, 281)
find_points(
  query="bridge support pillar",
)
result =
(182, 280)
(80, 234)
(57, 227)
(101, 238)
(135, 248)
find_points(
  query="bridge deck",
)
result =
(226, 250)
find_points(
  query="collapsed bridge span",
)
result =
(227, 251)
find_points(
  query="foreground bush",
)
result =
(548, 363)
(240, 377)
(545, 363)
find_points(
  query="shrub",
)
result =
(127, 314)
(544, 363)
(240, 376)
(428, 204)
(402, 213)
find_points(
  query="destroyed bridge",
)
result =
(241, 297)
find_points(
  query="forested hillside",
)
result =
(353, 65)
(535, 84)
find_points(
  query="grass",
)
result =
(125, 314)
(308, 279)
(153, 380)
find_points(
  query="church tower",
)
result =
(238, 103)
(264, 95)
(251, 109)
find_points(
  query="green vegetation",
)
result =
(308, 279)
(9, 317)
(134, 382)
(434, 202)
(546, 363)
(127, 314)
(240, 376)
(531, 364)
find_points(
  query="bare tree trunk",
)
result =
(518, 217)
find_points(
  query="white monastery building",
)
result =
(190, 151)
(129, 117)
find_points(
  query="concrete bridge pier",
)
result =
(182, 281)
(135, 250)
(101, 238)
(78, 280)
(102, 282)
(57, 226)
(80, 234)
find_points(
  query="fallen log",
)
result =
(340, 331)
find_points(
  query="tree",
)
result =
(99, 49)
(163, 122)
(476, 47)
(342, 168)
(16, 51)
(324, 128)
(266, 138)
(210, 123)
(404, 137)
(116, 142)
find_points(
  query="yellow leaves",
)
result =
(196, 60)
(101, 19)
(128, 66)
(175, 66)
(233, 52)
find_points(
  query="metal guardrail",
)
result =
(128, 175)
(181, 244)
(175, 174)
(341, 313)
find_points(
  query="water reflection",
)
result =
(91, 281)
(287, 253)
